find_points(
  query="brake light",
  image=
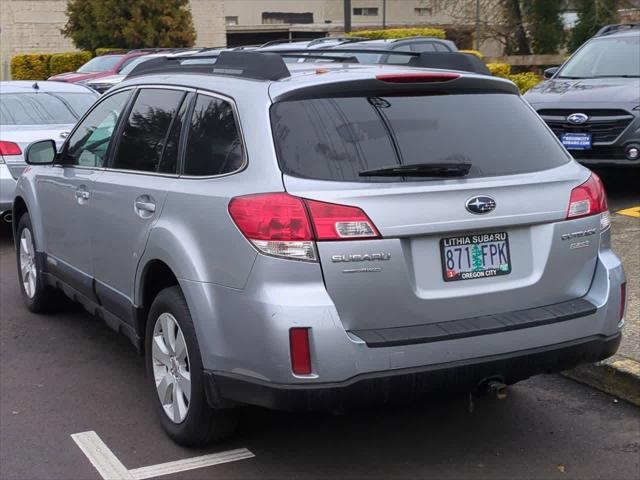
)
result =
(282, 225)
(588, 199)
(300, 352)
(9, 148)
(427, 77)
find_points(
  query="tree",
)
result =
(129, 23)
(592, 15)
(545, 26)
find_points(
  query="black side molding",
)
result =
(474, 326)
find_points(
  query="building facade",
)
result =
(33, 26)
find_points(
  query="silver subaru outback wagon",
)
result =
(319, 238)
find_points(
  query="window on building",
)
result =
(424, 11)
(286, 17)
(229, 21)
(366, 11)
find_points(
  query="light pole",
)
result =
(478, 25)
(384, 14)
(347, 16)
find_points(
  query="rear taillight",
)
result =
(427, 77)
(282, 225)
(340, 222)
(9, 148)
(300, 352)
(588, 199)
(623, 300)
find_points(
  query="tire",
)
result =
(36, 294)
(187, 418)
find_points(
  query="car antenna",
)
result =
(36, 86)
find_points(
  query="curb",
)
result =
(618, 376)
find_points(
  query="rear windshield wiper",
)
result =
(420, 170)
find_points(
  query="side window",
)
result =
(88, 145)
(423, 47)
(214, 146)
(146, 129)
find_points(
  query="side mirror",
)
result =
(550, 72)
(42, 152)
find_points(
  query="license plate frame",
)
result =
(479, 239)
(577, 141)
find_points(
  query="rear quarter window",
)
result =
(337, 138)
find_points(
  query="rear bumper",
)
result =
(7, 188)
(225, 389)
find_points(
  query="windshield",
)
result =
(104, 63)
(337, 138)
(605, 57)
(43, 108)
(133, 64)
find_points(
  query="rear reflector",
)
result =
(300, 353)
(282, 225)
(623, 300)
(588, 199)
(428, 77)
(9, 148)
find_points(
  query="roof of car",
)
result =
(26, 86)
(302, 75)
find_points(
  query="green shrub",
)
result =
(104, 51)
(499, 69)
(30, 66)
(473, 52)
(524, 81)
(67, 62)
(399, 33)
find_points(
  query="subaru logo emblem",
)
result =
(480, 205)
(577, 118)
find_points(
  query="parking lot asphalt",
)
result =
(68, 373)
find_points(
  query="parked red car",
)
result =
(102, 66)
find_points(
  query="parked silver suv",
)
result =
(318, 238)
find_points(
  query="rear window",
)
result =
(43, 108)
(337, 138)
(104, 63)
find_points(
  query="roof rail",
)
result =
(616, 27)
(465, 62)
(321, 40)
(244, 64)
(289, 40)
(416, 37)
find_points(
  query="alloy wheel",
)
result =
(171, 367)
(28, 270)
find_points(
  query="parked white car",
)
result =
(31, 111)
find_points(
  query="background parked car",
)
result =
(31, 111)
(102, 84)
(101, 66)
(592, 102)
(412, 44)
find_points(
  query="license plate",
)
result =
(469, 257)
(576, 141)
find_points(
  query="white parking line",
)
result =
(190, 464)
(110, 468)
(103, 459)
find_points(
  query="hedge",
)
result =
(473, 52)
(30, 66)
(399, 33)
(67, 62)
(104, 51)
(499, 69)
(524, 81)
